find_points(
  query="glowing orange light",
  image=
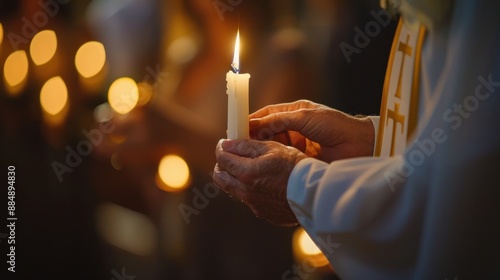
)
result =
(123, 95)
(43, 46)
(145, 93)
(54, 96)
(305, 250)
(306, 244)
(90, 59)
(173, 172)
(15, 71)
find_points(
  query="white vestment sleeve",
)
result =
(433, 212)
(348, 203)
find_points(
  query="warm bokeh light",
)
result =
(103, 113)
(123, 95)
(173, 172)
(90, 59)
(1, 33)
(43, 46)
(145, 93)
(126, 229)
(306, 251)
(182, 50)
(115, 162)
(54, 96)
(306, 244)
(15, 71)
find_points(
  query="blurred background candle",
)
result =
(237, 91)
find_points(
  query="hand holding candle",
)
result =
(237, 91)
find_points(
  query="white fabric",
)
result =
(433, 212)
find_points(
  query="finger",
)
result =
(269, 135)
(242, 158)
(308, 122)
(218, 148)
(233, 161)
(282, 107)
(221, 178)
(275, 123)
(228, 183)
(243, 168)
(297, 140)
(245, 148)
(270, 109)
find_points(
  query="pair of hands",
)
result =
(256, 170)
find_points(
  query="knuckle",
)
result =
(305, 103)
(267, 108)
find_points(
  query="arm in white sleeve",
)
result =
(433, 212)
(348, 203)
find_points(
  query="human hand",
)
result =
(317, 130)
(256, 172)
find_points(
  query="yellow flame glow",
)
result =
(43, 46)
(173, 172)
(15, 70)
(90, 59)
(54, 95)
(123, 95)
(236, 55)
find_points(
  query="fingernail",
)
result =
(255, 122)
(220, 142)
(227, 144)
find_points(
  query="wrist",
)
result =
(366, 135)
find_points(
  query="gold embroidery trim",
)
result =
(413, 112)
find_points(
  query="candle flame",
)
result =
(236, 57)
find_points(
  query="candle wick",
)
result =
(235, 70)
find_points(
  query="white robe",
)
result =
(430, 213)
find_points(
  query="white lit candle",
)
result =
(237, 91)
